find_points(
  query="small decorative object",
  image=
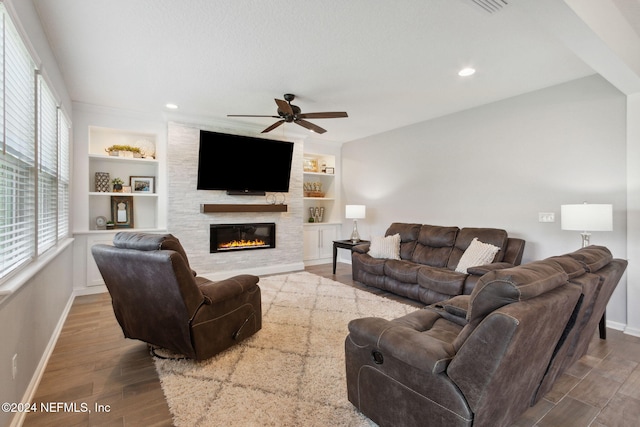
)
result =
(310, 165)
(147, 148)
(110, 225)
(280, 198)
(101, 223)
(117, 185)
(122, 211)
(321, 216)
(311, 215)
(316, 214)
(124, 151)
(102, 182)
(330, 170)
(142, 184)
(126, 189)
(313, 189)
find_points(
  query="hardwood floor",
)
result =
(92, 364)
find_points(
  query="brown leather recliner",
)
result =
(158, 299)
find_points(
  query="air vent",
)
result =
(491, 6)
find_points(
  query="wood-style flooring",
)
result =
(93, 364)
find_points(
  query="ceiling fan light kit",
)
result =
(289, 113)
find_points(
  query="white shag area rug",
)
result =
(291, 372)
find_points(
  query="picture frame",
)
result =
(142, 184)
(330, 170)
(122, 211)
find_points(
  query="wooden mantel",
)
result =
(217, 208)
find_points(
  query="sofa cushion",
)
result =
(593, 257)
(571, 266)
(441, 280)
(402, 271)
(502, 287)
(493, 236)
(369, 264)
(434, 245)
(408, 237)
(385, 247)
(478, 253)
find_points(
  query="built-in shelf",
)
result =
(213, 208)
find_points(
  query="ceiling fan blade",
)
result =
(273, 126)
(284, 106)
(327, 115)
(250, 115)
(310, 126)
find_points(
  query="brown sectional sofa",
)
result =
(481, 359)
(429, 255)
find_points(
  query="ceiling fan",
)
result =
(289, 113)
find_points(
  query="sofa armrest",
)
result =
(362, 248)
(225, 289)
(481, 270)
(403, 339)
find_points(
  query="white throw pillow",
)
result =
(477, 253)
(385, 247)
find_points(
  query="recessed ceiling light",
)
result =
(171, 106)
(466, 72)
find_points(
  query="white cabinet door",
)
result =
(327, 236)
(318, 242)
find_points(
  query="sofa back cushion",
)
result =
(502, 287)
(408, 237)
(434, 245)
(492, 236)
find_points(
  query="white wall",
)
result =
(499, 165)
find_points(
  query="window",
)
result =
(34, 166)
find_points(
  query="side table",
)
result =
(343, 244)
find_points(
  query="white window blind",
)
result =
(47, 167)
(17, 160)
(63, 175)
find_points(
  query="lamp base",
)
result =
(355, 236)
(585, 239)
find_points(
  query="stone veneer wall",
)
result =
(192, 227)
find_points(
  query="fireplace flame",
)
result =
(242, 244)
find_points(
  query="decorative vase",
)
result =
(117, 188)
(102, 182)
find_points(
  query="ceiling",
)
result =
(387, 63)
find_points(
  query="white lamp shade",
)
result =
(355, 211)
(586, 217)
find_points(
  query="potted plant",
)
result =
(124, 151)
(117, 185)
(110, 225)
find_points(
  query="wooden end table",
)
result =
(343, 244)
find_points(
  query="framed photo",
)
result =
(142, 184)
(330, 170)
(126, 189)
(122, 211)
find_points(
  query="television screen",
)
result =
(243, 164)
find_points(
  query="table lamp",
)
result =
(586, 217)
(355, 212)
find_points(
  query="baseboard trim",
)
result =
(631, 331)
(18, 420)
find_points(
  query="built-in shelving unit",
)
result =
(320, 191)
(145, 205)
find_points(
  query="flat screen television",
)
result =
(243, 164)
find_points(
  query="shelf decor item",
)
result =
(313, 189)
(126, 151)
(142, 184)
(117, 185)
(102, 182)
(122, 211)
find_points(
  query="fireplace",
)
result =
(238, 237)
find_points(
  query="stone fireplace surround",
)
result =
(186, 221)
